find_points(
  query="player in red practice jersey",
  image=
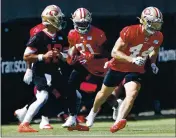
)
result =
(86, 53)
(135, 44)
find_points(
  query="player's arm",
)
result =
(31, 58)
(103, 52)
(31, 55)
(117, 51)
(153, 55)
(72, 50)
(102, 43)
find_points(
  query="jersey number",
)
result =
(136, 50)
(54, 59)
(83, 48)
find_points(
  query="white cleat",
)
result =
(44, 124)
(115, 109)
(71, 121)
(20, 113)
(90, 118)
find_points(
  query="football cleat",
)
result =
(115, 109)
(90, 118)
(48, 126)
(25, 127)
(119, 125)
(80, 119)
(20, 113)
(71, 121)
(78, 128)
(44, 124)
(62, 116)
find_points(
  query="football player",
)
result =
(86, 53)
(20, 113)
(135, 44)
(43, 50)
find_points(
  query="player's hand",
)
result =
(71, 60)
(85, 57)
(56, 53)
(138, 61)
(48, 55)
(155, 69)
(28, 76)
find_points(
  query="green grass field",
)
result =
(157, 127)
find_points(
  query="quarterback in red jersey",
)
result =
(86, 53)
(135, 44)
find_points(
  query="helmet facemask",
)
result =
(82, 27)
(56, 21)
(150, 26)
(82, 20)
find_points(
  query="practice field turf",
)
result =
(157, 127)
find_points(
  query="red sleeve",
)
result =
(36, 29)
(160, 39)
(101, 37)
(125, 34)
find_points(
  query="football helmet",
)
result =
(53, 15)
(82, 19)
(151, 19)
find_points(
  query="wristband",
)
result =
(40, 57)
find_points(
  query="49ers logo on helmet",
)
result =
(53, 13)
(147, 12)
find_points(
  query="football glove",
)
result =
(138, 61)
(155, 69)
(28, 76)
(85, 57)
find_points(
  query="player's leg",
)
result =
(111, 79)
(46, 110)
(115, 100)
(132, 87)
(41, 98)
(20, 113)
(78, 101)
(75, 79)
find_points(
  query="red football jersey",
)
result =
(36, 29)
(90, 42)
(138, 45)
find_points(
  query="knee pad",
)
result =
(42, 96)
